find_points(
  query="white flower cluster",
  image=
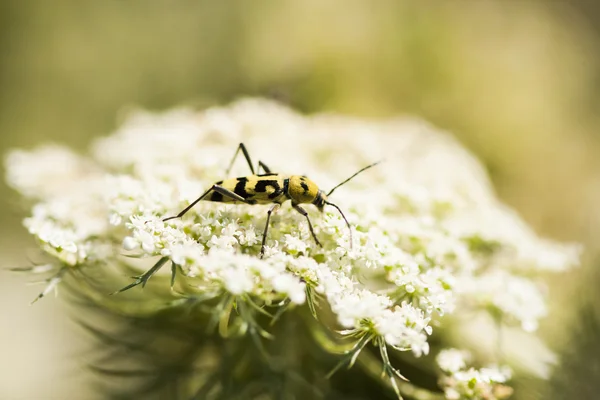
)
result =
(68, 224)
(462, 383)
(428, 235)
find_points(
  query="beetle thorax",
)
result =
(302, 190)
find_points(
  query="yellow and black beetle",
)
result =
(269, 188)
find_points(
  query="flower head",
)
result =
(429, 238)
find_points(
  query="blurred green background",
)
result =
(516, 81)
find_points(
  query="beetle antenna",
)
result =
(343, 216)
(340, 184)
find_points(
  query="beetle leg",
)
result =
(264, 167)
(214, 188)
(303, 212)
(246, 156)
(273, 208)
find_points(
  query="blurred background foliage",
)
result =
(516, 81)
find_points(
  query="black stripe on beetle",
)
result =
(276, 194)
(240, 188)
(216, 196)
(262, 185)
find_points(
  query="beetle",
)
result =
(270, 188)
